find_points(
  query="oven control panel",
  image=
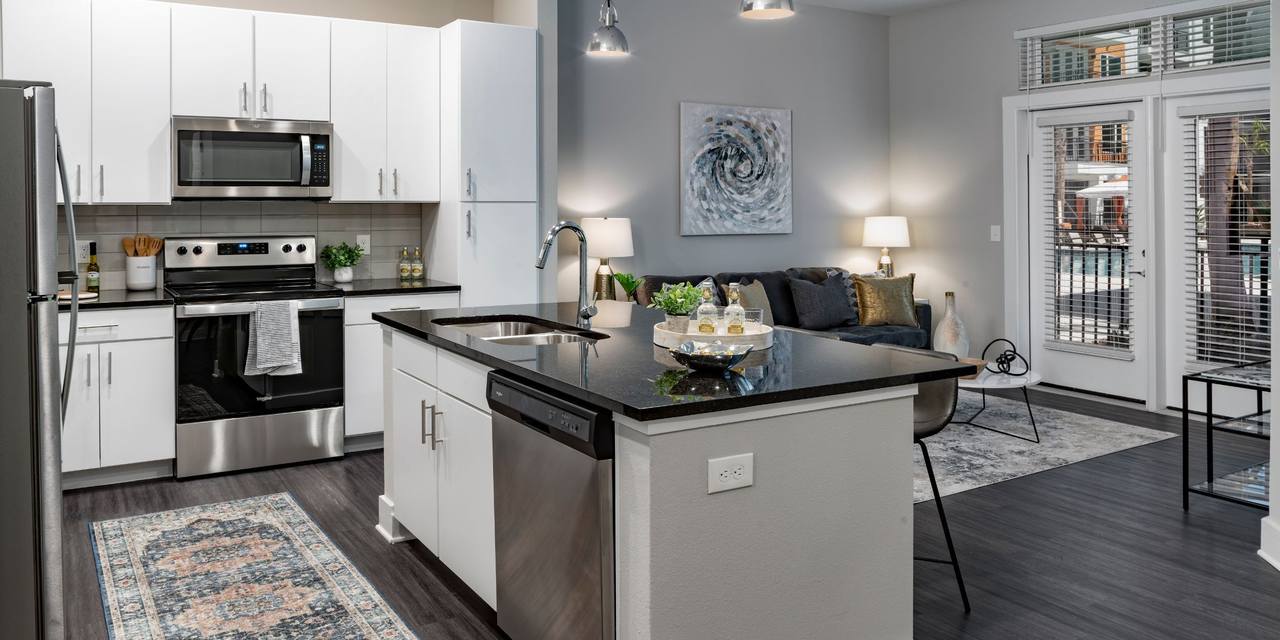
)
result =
(260, 251)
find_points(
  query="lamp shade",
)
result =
(885, 231)
(608, 237)
(768, 9)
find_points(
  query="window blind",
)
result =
(1227, 33)
(1228, 230)
(1087, 226)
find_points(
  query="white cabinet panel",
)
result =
(136, 396)
(466, 496)
(49, 40)
(131, 144)
(80, 428)
(499, 245)
(363, 373)
(413, 113)
(498, 118)
(291, 64)
(360, 111)
(212, 62)
(414, 467)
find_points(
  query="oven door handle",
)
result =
(245, 308)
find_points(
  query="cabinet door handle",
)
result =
(77, 181)
(434, 440)
(379, 181)
(469, 181)
(405, 308)
(424, 410)
(102, 181)
(468, 223)
(244, 97)
(110, 359)
(395, 181)
(264, 98)
(88, 370)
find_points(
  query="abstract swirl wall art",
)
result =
(735, 167)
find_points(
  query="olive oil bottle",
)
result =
(93, 274)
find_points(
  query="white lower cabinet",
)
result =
(417, 499)
(465, 476)
(440, 476)
(120, 408)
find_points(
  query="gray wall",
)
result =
(950, 67)
(618, 126)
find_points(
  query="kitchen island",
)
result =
(818, 545)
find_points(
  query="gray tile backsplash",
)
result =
(390, 226)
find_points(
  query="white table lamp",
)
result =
(885, 232)
(607, 238)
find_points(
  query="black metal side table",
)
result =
(1247, 486)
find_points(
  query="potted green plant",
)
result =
(629, 283)
(678, 301)
(340, 260)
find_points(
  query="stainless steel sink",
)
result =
(520, 330)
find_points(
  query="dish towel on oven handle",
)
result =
(273, 340)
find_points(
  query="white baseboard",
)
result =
(1270, 550)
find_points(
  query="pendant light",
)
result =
(768, 9)
(607, 41)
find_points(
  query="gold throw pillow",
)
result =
(886, 301)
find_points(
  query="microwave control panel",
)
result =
(319, 161)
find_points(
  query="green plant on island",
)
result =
(629, 283)
(677, 299)
(343, 255)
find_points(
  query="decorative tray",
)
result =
(758, 336)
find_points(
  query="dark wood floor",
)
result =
(1098, 549)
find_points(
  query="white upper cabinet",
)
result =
(131, 118)
(49, 40)
(413, 113)
(359, 111)
(499, 244)
(489, 85)
(212, 62)
(291, 64)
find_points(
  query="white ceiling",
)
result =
(882, 7)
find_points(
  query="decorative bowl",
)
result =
(710, 356)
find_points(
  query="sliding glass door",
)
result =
(1090, 232)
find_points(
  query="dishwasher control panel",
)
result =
(584, 428)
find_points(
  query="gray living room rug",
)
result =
(966, 458)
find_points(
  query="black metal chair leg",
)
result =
(1027, 399)
(946, 530)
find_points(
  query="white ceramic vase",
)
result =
(951, 336)
(344, 274)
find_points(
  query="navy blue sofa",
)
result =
(784, 311)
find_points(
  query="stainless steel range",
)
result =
(230, 416)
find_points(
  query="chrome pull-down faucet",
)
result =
(586, 309)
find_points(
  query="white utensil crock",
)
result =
(140, 273)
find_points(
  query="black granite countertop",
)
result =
(390, 286)
(627, 374)
(121, 299)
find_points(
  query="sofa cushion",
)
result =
(821, 306)
(887, 301)
(652, 284)
(820, 274)
(884, 334)
(781, 303)
(753, 297)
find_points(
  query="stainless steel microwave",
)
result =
(229, 158)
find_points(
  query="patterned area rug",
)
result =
(252, 568)
(966, 458)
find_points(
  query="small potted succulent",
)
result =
(678, 301)
(341, 259)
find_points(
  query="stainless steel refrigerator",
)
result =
(31, 401)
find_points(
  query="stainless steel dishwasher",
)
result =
(553, 496)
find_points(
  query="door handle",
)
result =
(1138, 272)
(102, 181)
(109, 361)
(379, 181)
(422, 421)
(469, 181)
(88, 370)
(434, 440)
(405, 308)
(244, 97)
(395, 181)
(264, 98)
(468, 223)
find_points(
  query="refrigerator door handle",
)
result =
(71, 266)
